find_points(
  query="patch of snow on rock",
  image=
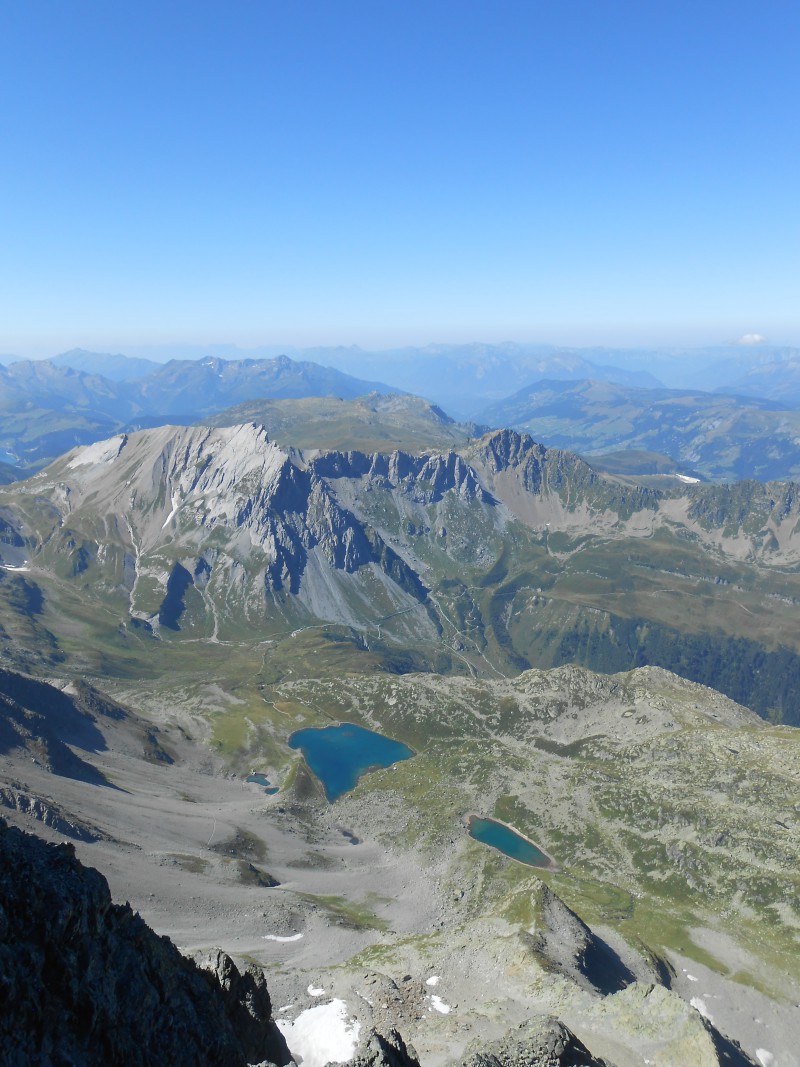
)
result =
(277, 937)
(321, 1035)
(433, 980)
(175, 503)
(700, 1005)
(764, 1057)
(439, 1005)
(315, 991)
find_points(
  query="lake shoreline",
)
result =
(550, 865)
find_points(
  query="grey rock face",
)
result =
(48, 722)
(567, 945)
(247, 1004)
(85, 981)
(384, 1050)
(543, 1042)
(46, 812)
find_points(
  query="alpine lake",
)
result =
(339, 755)
(507, 840)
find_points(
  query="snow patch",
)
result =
(439, 1005)
(700, 1005)
(686, 478)
(175, 502)
(433, 980)
(691, 977)
(322, 1034)
(315, 991)
(8, 567)
(277, 937)
(764, 1057)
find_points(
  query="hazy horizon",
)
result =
(161, 352)
(609, 174)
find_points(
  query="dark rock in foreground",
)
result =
(543, 1042)
(85, 981)
(385, 1050)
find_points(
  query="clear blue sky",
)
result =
(340, 172)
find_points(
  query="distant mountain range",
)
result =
(48, 407)
(749, 430)
(725, 438)
(459, 377)
(488, 372)
(463, 377)
(776, 380)
(111, 365)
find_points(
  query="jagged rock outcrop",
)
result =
(247, 1003)
(565, 944)
(541, 1042)
(384, 1050)
(85, 981)
(47, 812)
(539, 471)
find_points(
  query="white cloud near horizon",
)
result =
(751, 339)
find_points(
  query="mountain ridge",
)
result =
(47, 408)
(205, 532)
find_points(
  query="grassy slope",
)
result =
(369, 424)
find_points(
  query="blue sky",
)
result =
(570, 171)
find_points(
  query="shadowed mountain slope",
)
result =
(86, 981)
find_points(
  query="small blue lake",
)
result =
(339, 755)
(509, 842)
(261, 779)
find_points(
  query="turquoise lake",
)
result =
(339, 755)
(261, 779)
(508, 841)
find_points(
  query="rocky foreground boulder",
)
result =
(84, 981)
(542, 1042)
